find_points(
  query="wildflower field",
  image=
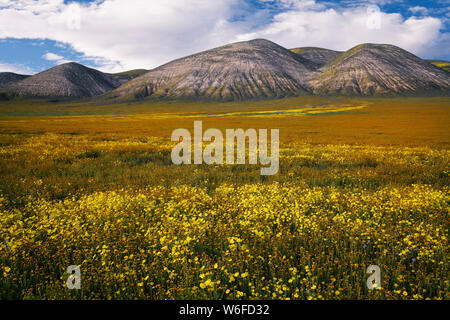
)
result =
(361, 182)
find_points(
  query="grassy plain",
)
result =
(362, 181)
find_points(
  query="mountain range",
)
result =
(243, 70)
(247, 70)
(66, 80)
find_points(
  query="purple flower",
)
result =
(364, 246)
(414, 260)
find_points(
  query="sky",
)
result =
(120, 35)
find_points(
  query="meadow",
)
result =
(362, 181)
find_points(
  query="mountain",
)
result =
(319, 56)
(242, 70)
(8, 78)
(246, 70)
(445, 65)
(66, 80)
(378, 69)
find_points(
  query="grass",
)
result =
(131, 74)
(93, 185)
(441, 64)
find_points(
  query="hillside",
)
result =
(66, 80)
(319, 56)
(130, 75)
(8, 78)
(376, 69)
(243, 70)
(256, 69)
(445, 65)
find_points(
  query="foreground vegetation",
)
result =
(100, 192)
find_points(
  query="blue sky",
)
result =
(116, 35)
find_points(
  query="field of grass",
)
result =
(362, 182)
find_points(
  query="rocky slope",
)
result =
(243, 70)
(66, 80)
(319, 56)
(8, 78)
(247, 70)
(375, 69)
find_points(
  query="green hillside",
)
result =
(131, 74)
(441, 64)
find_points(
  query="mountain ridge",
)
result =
(255, 69)
(66, 80)
(237, 71)
(379, 69)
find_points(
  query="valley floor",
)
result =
(362, 181)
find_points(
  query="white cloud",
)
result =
(359, 3)
(128, 34)
(419, 10)
(15, 68)
(52, 56)
(341, 29)
(55, 58)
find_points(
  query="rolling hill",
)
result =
(243, 70)
(255, 69)
(377, 69)
(66, 80)
(8, 78)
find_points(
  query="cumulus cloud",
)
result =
(418, 10)
(15, 68)
(343, 28)
(128, 34)
(358, 3)
(54, 57)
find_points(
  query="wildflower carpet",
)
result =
(362, 182)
